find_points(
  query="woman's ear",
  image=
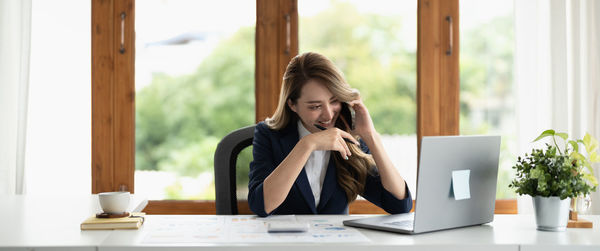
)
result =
(291, 105)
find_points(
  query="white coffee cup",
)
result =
(114, 202)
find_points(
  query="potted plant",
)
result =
(553, 176)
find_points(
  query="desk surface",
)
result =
(50, 221)
(43, 223)
(507, 232)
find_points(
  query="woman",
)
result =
(302, 163)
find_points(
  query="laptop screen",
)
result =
(456, 181)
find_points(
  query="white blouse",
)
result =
(316, 166)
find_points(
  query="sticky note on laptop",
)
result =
(460, 184)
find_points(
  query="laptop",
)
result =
(456, 187)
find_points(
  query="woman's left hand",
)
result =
(363, 122)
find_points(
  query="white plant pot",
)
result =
(551, 213)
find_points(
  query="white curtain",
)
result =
(557, 72)
(15, 38)
(591, 76)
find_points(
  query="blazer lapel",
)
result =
(305, 190)
(330, 182)
(288, 141)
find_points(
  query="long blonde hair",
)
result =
(351, 173)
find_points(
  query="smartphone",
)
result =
(287, 227)
(348, 114)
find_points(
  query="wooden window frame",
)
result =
(276, 45)
(113, 96)
(113, 92)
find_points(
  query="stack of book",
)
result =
(134, 221)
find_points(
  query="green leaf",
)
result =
(591, 179)
(587, 139)
(574, 145)
(593, 144)
(544, 134)
(537, 173)
(577, 156)
(594, 157)
(590, 143)
(562, 135)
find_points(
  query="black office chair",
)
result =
(225, 160)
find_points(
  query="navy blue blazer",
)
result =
(270, 147)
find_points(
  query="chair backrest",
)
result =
(225, 161)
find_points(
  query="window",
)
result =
(276, 36)
(194, 84)
(487, 93)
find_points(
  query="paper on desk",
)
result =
(460, 184)
(245, 229)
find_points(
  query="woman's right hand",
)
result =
(331, 139)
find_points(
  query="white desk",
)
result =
(50, 222)
(42, 223)
(507, 232)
